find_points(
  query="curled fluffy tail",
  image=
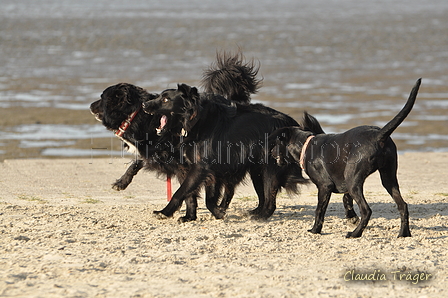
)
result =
(389, 128)
(232, 77)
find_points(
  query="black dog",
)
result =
(155, 137)
(119, 111)
(224, 143)
(340, 163)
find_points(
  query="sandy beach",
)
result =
(66, 233)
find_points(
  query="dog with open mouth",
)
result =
(224, 143)
(340, 163)
(155, 138)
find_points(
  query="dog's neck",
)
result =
(303, 152)
(126, 123)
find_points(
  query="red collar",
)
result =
(302, 154)
(126, 123)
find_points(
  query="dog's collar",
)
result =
(303, 152)
(126, 123)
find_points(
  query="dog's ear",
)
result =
(137, 95)
(192, 107)
(187, 90)
(152, 96)
(117, 96)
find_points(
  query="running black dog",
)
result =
(224, 143)
(155, 138)
(340, 163)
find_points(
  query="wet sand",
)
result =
(66, 233)
(347, 62)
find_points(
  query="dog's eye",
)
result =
(165, 99)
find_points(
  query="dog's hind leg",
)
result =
(350, 214)
(356, 192)
(257, 182)
(323, 197)
(389, 180)
(126, 179)
(268, 203)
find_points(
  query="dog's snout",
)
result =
(96, 111)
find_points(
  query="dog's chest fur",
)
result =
(130, 147)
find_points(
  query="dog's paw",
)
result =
(405, 234)
(352, 235)
(159, 215)
(314, 231)
(255, 212)
(219, 213)
(353, 220)
(119, 185)
(185, 219)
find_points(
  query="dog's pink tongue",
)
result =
(162, 122)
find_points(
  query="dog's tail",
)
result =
(294, 179)
(310, 123)
(232, 77)
(389, 128)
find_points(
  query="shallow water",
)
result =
(347, 62)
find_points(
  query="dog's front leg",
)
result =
(213, 192)
(189, 188)
(229, 191)
(323, 196)
(127, 177)
(192, 204)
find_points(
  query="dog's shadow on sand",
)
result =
(418, 214)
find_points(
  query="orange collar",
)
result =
(302, 153)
